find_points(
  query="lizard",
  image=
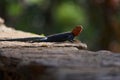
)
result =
(60, 37)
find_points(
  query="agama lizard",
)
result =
(60, 37)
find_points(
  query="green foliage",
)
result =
(14, 9)
(42, 35)
(34, 1)
(69, 14)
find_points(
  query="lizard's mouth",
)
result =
(77, 30)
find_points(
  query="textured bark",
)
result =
(53, 61)
(57, 63)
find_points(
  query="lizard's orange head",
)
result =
(77, 30)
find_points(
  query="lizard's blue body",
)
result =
(68, 36)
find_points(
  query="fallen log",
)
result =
(53, 61)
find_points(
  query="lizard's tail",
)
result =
(29, 39)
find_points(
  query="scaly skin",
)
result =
(67, 36)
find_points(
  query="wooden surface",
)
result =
(54, 61)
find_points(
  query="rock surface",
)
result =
(54, 61)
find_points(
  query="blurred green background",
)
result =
(99, 18)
